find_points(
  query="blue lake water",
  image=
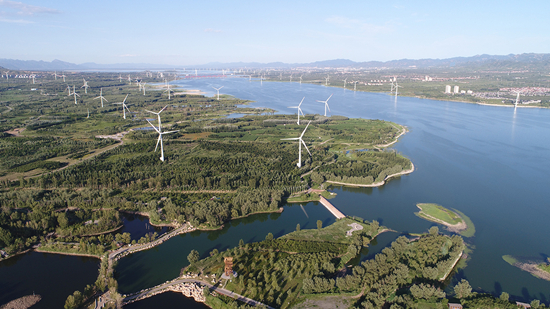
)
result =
(491, 163)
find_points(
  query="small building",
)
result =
(228, 270)
(448, 89)
(455, 306)
(456, 89)
(523, 305)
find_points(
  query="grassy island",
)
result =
(537, 268)
(455, 221)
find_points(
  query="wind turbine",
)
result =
(291, 78)
(7, 76)
(159, 140)
(68, 90)
(33, 76)
(397, 88)
(218, 89)
(517, 98)
(63, 77)
(345, 81)
(301, 79)
(355, 85)
(262, 80)
(85, 86)
(119, 78)
(168, 90)
(55, 74)
(300, 142)
(392, 86)
(299, 110)
(101, 96)
(75, 94)
(124, 106)
(326, 80)
(143, 87)
(158, 115)
(129, 79)
(88, 113)
(326, 104)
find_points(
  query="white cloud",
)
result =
(212, 30)
(21, 8)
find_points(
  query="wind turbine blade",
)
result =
(170, 132)
(300, 111)
(329, 97)
(151, 112)
(290, 139)
(163, 108)
(293, 107)
(301, 102)
(125, 99)
(153, 126)
(158, 140)
(306, 147)
(328, 107)
(305, 129)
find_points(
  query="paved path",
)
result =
(333, 210)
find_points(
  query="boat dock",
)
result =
(333, 210)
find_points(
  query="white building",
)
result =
(456, 89)
(448, 89)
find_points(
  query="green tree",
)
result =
(504, 296)
(463, 289)
(241, 243)
(319, 224)
(434, 230)
(297, 227)
(214, 252)
(193, 257)
(269, 236)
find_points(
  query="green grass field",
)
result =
(333, 233)
(438, 212)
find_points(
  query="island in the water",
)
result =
(455, 221)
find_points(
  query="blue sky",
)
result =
(198, 32)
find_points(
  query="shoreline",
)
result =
(455, 228)
(375, 184)
(68, 253)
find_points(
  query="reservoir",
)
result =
(491, 163)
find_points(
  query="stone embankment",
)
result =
(126, 250)
(189, 289)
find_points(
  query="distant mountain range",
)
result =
(508, 61)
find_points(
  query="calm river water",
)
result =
(491, 163)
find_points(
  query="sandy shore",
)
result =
(533, 269)
(376, 184)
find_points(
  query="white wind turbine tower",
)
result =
(355, 85)
(130, 79)
(7, 76)
(124, 107)
(159, 140)
(392, 86)
(68, 90)
(101, 96)
(33, 76)
(517, 98)
(63, 77)
(299, 110)
(143, 87)
(301, 79)
(262, 80)
(75, 95)
(218, 89)
(55, 74)
(300, 142)
(326, 104)
(291, 78)
(119, 78)
(85, 86)
(88, 113)
(326, 80)
(345, 81)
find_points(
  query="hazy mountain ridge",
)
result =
(486, 61)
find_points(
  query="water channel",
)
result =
(488, 162)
